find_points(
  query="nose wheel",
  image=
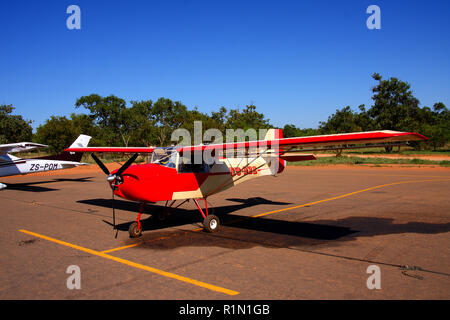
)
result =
(135, 230)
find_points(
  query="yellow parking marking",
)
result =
(346, 195)
(290, 208)
(121, 248)
(135, 265)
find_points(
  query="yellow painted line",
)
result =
(121, 248)
(291, 208)
(136, 265)
(146, 241)
(346, 195)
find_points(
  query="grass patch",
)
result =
(403, 150)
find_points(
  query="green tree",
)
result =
(436, 125)
(395, 107)
(108, 114)
(344, 120)
(13, 128)
(220, 118)
(248, 118)
(290, 131)
(167, 116)
(363, 121)
(84, 124)
(141, 126)
(57, 132)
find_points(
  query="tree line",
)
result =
(113, 122)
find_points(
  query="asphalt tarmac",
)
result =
(337, 232)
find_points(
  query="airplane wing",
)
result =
(285, 145)
(314, 143)
(19, 147)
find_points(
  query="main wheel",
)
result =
(134, 230)
(211, 223)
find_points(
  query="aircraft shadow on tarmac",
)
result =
(35, 186)
(178, 216)
(263, 231)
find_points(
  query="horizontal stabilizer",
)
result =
(297, 157)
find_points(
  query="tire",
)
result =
(134, 230)
(211, 223)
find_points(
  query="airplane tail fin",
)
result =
(81, 142)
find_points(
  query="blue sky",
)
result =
(297, 61)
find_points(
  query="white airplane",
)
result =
(11, 165)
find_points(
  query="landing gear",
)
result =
(211, 222)
(135, 230)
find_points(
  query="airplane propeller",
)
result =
(117, 177)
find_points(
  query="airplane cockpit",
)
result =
(169, 157)
(165, 156)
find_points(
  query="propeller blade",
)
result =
(114, 213)
(100, 164)
(126, 165)
(113, 210)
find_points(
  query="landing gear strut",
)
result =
(211, 222)
(135, 229)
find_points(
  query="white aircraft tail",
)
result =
(81, 142)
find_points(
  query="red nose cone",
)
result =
(149, 183)
(126, 184)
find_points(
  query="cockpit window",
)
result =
(192, 165)
(164, 156)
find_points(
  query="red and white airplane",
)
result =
(11, 165)
(172, 176)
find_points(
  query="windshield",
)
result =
(164, 156)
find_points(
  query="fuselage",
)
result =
(11, 165)
(155, 182)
